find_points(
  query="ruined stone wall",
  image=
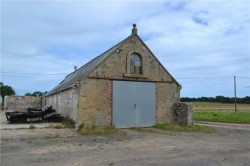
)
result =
(19, 103)
(65, 103)
(182, 113)
(95, 102)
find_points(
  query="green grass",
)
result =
(222, 116)
(99, 130)
(188, 128)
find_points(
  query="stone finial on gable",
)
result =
(134, 30)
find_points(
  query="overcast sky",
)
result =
(203, 44)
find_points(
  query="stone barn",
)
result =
(126, 86)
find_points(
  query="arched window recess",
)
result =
(135, 64)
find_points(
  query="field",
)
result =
(219, 112)
(212, 106)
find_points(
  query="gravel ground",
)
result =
(59, 147)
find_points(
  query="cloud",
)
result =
(200, 21)
(192, 39)
(178, 5)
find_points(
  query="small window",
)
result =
(135, 64)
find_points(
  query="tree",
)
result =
(220, 99)
(6, 90)
(28, 94)
(36, 93)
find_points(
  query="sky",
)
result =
(203, 44)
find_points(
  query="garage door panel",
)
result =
(146, 109)
(123, 114)
(133, 104)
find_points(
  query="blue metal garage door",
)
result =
(133, 104)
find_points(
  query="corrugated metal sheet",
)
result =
(133, 104)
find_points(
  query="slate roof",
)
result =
(83, 71)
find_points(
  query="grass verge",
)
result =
(222, 116)
(99, 130)
(188, 128)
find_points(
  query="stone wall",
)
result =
(95, 102)
(166, 96)
(117, 64)
(19, 103)
(182, 113)
(65, 103)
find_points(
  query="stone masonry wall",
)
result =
(116, 67)
(95, 102)
(64, 102)
(19, 103)
(182, 113)
(166, 96)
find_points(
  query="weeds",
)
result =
(58, 126)
(112, 163)
(188, 128)
(68, 123)
(32, 126)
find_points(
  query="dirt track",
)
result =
(66, 147)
